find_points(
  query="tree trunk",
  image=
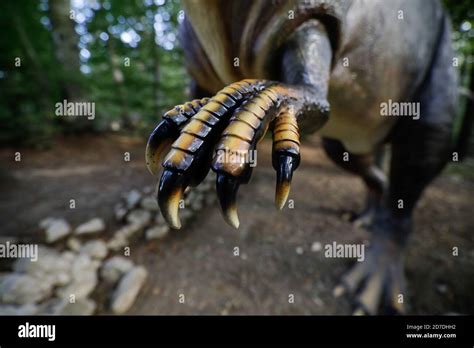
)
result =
(154, 64)
(66, 42)
(40, 76)
(117, 75)
(155, 70)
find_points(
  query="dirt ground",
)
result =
(275, 247)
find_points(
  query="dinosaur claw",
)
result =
(284, 175)
(170, 192)
(161, 137)
(227, 188)
(234, 120)
(286, 153)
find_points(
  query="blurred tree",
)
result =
(122, 55)
(28, 79)
(462, 16)
(66, 47)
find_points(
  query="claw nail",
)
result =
(170, 192)
(161, 137)
(284, 175)
(227, 188)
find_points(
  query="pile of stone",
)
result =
(62, 278)
(140, 214)
(73, 262)
(61, 282)
(57, 283)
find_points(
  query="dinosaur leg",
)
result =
(363, 166)
(420, 148)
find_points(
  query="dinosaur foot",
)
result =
(220, 133)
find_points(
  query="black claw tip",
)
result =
(285, 168)
(170, 192)
(161, 137)
(227, 188)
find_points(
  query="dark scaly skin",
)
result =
(307, 55)
(285, 153)
(188, 161)
(168, 130)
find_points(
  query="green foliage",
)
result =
(110, 33)
(130, 82)
(28, 74)
(462, 17)
(154, 78)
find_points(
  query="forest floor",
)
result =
(275, 247)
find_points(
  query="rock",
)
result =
(157, 232)
(149, 203)
(148, 190)
(121, 236)
(96, 249)
(95, 225)
(77, 289)
(80, 263)
(299, 250)
(62, 306)
(26, 309)
(117, 243)
(51, 267)
(316, 246)
(19, 288)
(44, 223)
(96, 264)
(68, 255)
(114, 268)
(82, 306)
(132, 199)
(73, 244)
(139, 217)
(128, 289)
(129, 231)
(120, 212)
(56, 229)
(84, 278)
